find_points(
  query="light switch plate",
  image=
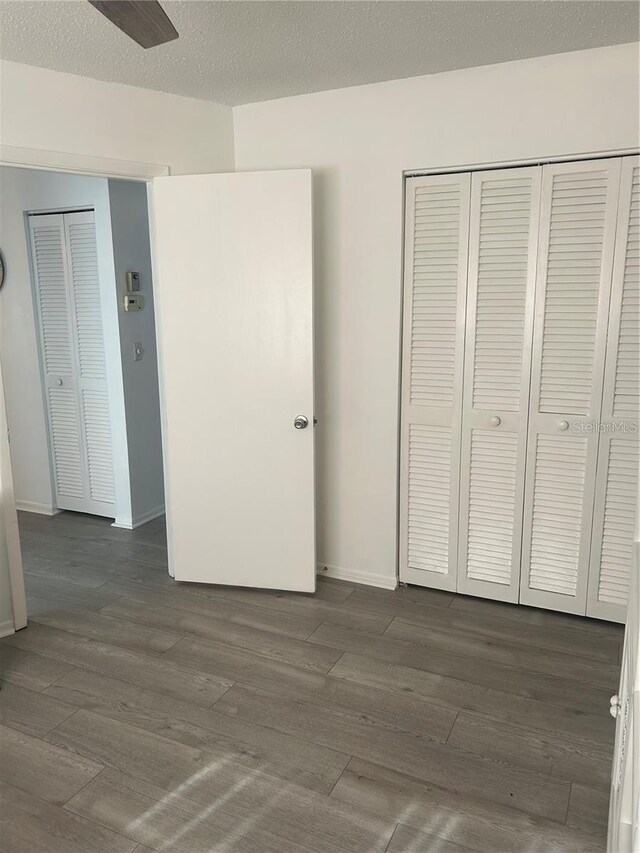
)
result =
(133, 302)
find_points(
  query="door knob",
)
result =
(58, 381)
(301, 422)
(495, 421)
(563, 425)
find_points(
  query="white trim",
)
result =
(7, 628)
(514, 164)
(358, 576)
(82, 164)
(139, 520)
(9, 522)
(34, 506)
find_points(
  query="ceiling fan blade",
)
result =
(145, 21)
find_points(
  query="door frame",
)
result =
(80, 164)
(9, 521)
(451, 170)
(75, 164)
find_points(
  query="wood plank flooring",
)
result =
(140, 714)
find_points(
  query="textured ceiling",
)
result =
(239, 51)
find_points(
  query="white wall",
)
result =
(53, 111)
(131, 252)
(24, 190)
(358, 141)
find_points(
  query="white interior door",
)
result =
(233, 284)
(67, 291)
(435, 283)
(577, 234)
(619, 451)
(503, 244)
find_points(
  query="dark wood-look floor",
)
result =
(141, 714)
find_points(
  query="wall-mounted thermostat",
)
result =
(133, 302)
(133, 282)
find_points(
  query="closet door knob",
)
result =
(563, 425)
(495, 421)
(615, 706)
(58, 381)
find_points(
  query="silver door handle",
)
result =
(495, 421)
(58, 381)
(301, 422)
(563, 425)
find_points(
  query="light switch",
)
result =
(133, 302)
(137, 351)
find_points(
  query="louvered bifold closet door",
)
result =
(618, 452)
(67, 297)
(503, 242)
(55, 320)
(577, 234)
(91, 365)
(436, 243)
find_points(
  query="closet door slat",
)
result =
(505, 209)
(436, 243)
(577, 235)
(618, 455)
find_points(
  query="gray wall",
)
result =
(131, 252)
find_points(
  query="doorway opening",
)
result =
(78, 346)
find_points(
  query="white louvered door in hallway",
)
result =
(67, 296)
(542, 454)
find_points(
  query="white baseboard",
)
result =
(7, 627)
(41, 509)
(139, 520)
(357, 576)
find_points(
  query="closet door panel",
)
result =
(613, 527)
(55, 322)
(505, 207)
(436, 242)
(618, 457)
(578, 223)
(91, 366)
